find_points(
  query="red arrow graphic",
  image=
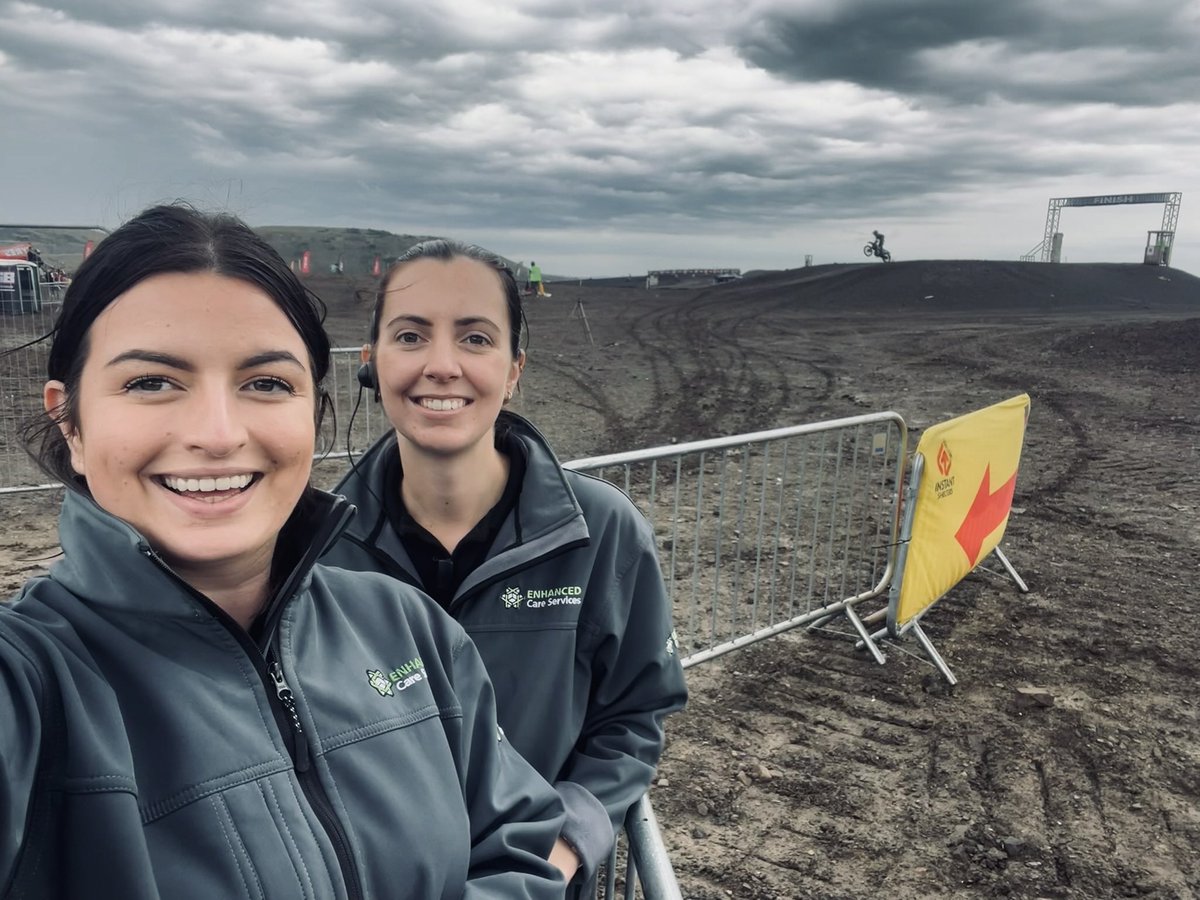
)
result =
(985, 515)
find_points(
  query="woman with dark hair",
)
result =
(553, 573)
(190, 707)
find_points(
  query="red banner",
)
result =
(88, 248)
(15, 251)
(305, 262)
(375, 267)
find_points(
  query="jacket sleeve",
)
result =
(515, 815)
(20, 738)
(637, 680)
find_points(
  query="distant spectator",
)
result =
(535, 279)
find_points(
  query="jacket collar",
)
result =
(549, 513)
(108, 562)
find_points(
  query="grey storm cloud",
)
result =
(648, 117)
(1099, 52)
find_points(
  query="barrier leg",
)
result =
(1008, 567)
(931, 652)
(866, 638)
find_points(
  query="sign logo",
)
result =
(511, 597)
(399, 679)
(944, 460)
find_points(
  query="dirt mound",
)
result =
(1172, 347)
(974, 286)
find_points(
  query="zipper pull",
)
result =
(284, 693)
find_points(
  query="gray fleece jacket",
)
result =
(151, 748)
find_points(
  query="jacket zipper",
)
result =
(314, 791)
(284, 693)
(276, 684)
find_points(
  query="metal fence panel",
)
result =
(759, 533)
(22, 374)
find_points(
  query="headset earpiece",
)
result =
(367, 379)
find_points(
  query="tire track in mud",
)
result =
(837, 750)
(701, 374)
(1055, 397)
(712, 368)
(703, 350)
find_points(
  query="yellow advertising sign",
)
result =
(963, 500)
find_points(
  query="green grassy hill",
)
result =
(356, 247)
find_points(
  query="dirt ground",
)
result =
(801, 769)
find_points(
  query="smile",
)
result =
(206, 485)
(439, 404)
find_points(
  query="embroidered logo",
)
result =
(399, 679)
(511, 597)
(379, 681)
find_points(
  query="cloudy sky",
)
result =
(612, 136)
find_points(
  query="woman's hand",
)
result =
(564, 859)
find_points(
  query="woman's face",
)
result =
(443, 357)
(194, 417)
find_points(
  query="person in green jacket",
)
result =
(190, 706)
(535, 280)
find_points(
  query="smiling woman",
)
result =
(553, 574)
(168, 407)
(192, 707)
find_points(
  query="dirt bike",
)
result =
(873, 249)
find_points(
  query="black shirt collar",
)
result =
(441, 572)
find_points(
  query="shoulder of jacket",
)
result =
(34, 641)
(598, 497)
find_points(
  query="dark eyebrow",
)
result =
(475, 320)
(149, 356)
(416, 320)
(175, 362)
(270, 356)
(466, 321)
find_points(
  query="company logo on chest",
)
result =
(542, 598)
(399, 679)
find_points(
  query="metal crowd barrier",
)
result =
(22, 374)
(760, 533)
(757, 534)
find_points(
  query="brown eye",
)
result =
(271, 385)
(148, 384)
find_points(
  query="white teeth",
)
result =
(440, 405)
(207, 485)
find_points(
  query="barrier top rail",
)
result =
(736, 440)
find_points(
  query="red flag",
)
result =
(375, 267)
(305, 262)
(88, 248)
